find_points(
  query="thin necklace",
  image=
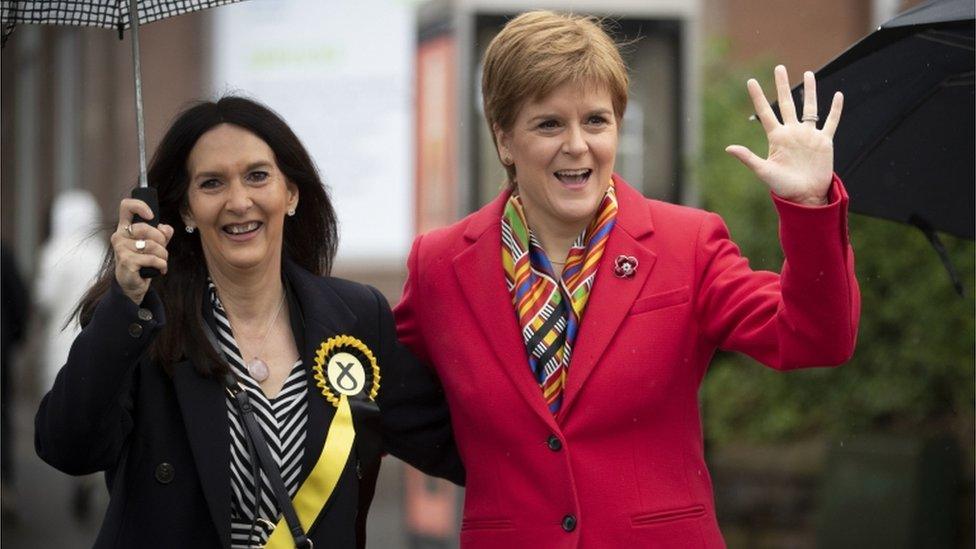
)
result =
(256, 367)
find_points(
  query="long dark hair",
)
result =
(310, 236)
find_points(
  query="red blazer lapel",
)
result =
(612, 296)
(482, 280)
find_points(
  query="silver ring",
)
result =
(128, 229)
(140, 245)
(810, 118)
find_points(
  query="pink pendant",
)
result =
(258, 369)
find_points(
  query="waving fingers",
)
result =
(809, 99)
(787, 109)
(746, 156)
(833, 118)
(763, 111)
(800, 157)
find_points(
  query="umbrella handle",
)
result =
(936, 243)
(149, 196)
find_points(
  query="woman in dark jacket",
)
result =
(244, 360)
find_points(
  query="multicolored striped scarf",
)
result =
(548, 325)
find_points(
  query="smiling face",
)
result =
(237, 198)
(563, 148)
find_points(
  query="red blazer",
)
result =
(622, 464)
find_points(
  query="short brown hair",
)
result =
(539, 51)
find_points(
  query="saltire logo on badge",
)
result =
(344, 365)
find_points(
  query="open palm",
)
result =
(799, 164)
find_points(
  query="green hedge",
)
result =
(914, 364)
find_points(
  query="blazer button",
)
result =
(554, 443)
(135, 329)
(145, 314)
(569, 523)
(165, 473)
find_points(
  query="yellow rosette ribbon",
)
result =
(339, 374)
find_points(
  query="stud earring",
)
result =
(291, 212)
(189, 229)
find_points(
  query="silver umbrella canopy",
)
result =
(110, 14)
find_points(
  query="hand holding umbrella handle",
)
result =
(149, 196)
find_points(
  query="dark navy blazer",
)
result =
(164, 441)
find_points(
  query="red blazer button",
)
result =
(569, 523)
(554, 443)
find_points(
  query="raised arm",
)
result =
(805, 316)
(808, 314)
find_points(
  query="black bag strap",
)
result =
(270, 468)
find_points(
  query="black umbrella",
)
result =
(905, 145)
(110, 14)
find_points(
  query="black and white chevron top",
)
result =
(283, 420)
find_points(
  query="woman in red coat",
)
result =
(571, 320)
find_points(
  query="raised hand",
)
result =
(800, 161)
(138, 245)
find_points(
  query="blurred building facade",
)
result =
(67, 110)
(67, 117)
